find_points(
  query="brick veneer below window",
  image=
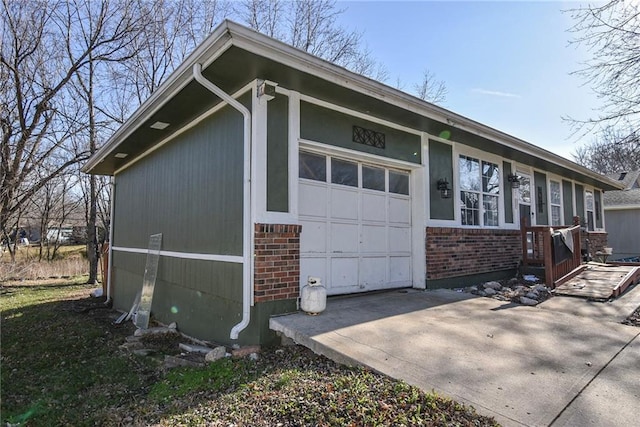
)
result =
(453, 252)
(277, 262)
(597, 241)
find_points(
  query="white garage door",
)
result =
(356, 224)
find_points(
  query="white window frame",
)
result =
(482, 158)
(592, 210)
(555, 179)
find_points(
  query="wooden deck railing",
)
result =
(537, 250)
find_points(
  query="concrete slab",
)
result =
(522, 365)
(612, 398)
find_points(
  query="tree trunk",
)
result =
(92, 237)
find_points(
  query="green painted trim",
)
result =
(567, 202)
(508, 193)
(440, 166)
(580, 202)
(541, 207)
(278, 154)
(470, 280)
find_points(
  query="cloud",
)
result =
(495, 93)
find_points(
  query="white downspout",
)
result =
(110, 261)
(247, 229)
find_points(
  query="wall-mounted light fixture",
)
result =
(514, 180)
(443, 186)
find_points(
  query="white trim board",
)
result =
(318, 147)
(236, 259)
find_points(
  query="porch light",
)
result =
(514, 180)
(443, 186)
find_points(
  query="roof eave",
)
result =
(218, 42)
(230, 34)
(257, 43)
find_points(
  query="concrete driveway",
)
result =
(522, 365)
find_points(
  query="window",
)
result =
(373, 178)
(479, 182)
(398, 182)
(556, 203)
(344, 173)
(588, 200)
(312, 166)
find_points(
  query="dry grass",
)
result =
(71, 261)
(62, 365)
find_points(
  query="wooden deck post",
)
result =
(523, 235)
(548, 257)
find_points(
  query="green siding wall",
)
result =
(541, 207)
(190, 190)
(567, 202)
(188, 292)
(334, 128)
(508, 193)
(440, 161)
(580, 202)
(278, 154)
(597, 197)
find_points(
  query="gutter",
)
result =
(247, 234)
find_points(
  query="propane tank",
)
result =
(313, 296)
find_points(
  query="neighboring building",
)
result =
(329, 174)
(622, 214)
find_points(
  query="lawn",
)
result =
(62, 365)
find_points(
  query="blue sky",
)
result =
(505, 64)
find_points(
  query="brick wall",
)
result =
(276, 262)
(452, 252)
(597, 241)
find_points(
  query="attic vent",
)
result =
(622, 175)
(368, 137)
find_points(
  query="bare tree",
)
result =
(613, 151)
(34, 77)
(121, 24)
(430, 89)
(611, 32)
(312, 26)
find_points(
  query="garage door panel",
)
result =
(344, 203)
(400, 271)
(314, 267)
(355, 239)
(314, 236)
(399, 239)
(373, 272)
(399, 210)
(374, 239)
(313, 199)
(344, 238)
(344, 273)
(374, 207)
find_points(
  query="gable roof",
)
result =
(627, 197)
(234, 55)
